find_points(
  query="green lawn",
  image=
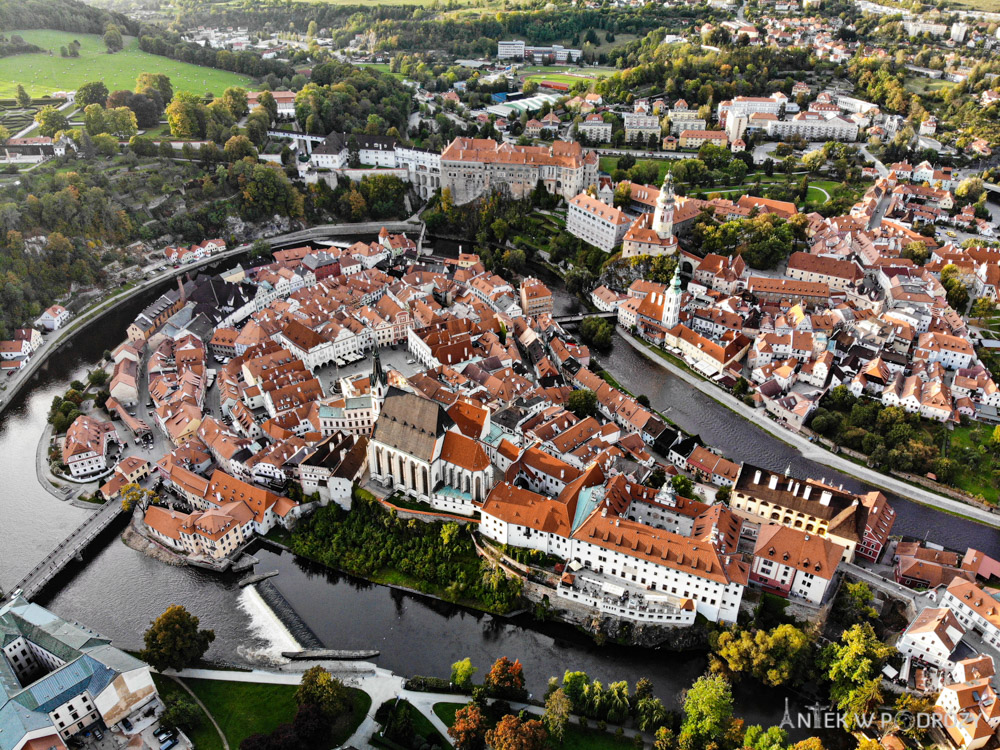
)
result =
(246, 708)
(42, 74)
(422, 725)
(577, 737)
(922, 85)
(384, 68)
(204, 736)
(563, 77)
(610, 163)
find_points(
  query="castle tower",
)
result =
(663, 217)
(672, 305)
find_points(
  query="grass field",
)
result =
(42, 74)
(610, 163)
(923, 85)
(990, 6)
(564, 77)
(204, 737)
(246, 708)
(384, 68)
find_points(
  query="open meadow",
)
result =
(42, 73)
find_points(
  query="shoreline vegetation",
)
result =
(435, 558)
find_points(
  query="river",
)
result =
(118, 591)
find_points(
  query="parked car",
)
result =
(98, 733)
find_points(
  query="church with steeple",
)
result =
(357, 408)
(653, 233)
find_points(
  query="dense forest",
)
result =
(701, 76)
(157, 41)
(411, 28)
(62, 15)
(342, 98)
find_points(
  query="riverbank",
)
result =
(59, 338)
(812, 450)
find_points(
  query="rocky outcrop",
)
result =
(628, 633)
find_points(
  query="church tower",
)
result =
(672, 305)
(663, 217)
(378, 381)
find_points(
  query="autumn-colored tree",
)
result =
(557, 712)
(469, 729)
(174, 641)
(511, 733)
(321, 689)
(132, 495)
(506, 679)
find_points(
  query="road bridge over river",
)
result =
(69, 548)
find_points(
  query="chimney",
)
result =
(808, 492)
(756, 477)
(824, 499)
(773, 482)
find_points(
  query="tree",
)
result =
(854, 604)
(174, 641)
(94, 92)
(983, 307)
(682, 485)
(239, 147)
(582, 402)
(22, 97)
(578, 280)
(650, 714)
(758, 738)
(574, 685)
(50, 121)
(970, 189)
(511, 733)
(157, 82)
(774, 657)
(708, 713)
(462, 671)
(113, 39)
(93, 119)
(469, 729)
(121, 123)
(506, 679)
(179, 711)
(664, 739)
(597, 332)
(853, 667)
(235, 100)
(813, 161)
(917, 252)
(132, 495)
(104, 144)
(4, 135)
(557, 712)
(321, 689)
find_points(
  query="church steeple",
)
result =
(378, 380)
(663, 217)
